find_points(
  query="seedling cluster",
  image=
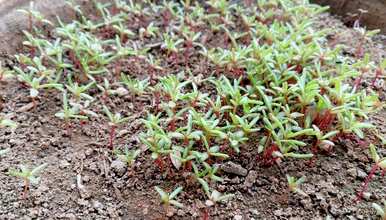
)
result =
(220, 77)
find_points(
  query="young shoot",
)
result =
(214, 196)
(114, 120)
(294, 184)
(379, 163)
(168, 199)
(29, 176)
(128, 156)
(68, 113)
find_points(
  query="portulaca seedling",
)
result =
(379, 163)
(136, 87)
(68, 113)
(294, 184)
(34, 15)
(169, 198)
(29, 176)
(79, 91)
(128, 156)
(35, 83)
(114, 120)
(214, 196)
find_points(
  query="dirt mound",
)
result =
(12, 21)
(375, 18)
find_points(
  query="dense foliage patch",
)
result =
(217, 78)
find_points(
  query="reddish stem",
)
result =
(205, 215)
(159, 163)
(367, 181)
(112, 136)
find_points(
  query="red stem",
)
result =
(367, 181)
(159, 163)
(205, 215)
(112, 136)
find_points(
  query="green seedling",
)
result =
(149, 31)
(79, 91)
(136, 87)
(379, 163)
(114, 120)
(214, 196)
(128, 156)
(105, 88)
(171, 45)
(169, 198)
(68, 113)
(29, 176)
(294, 184)
(35, 83)
(33, 14)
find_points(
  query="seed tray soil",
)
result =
(83, 182)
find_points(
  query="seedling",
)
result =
(136, 87)
(168, 198)
(294, 184)
(381, 211)
(33, 14)
(114, 120)
(150, 31)
(29, 176)
(105, 88)
(171, 47)
(379, 72)
(79, 91)
(35, 83)
(128, 156)
(68, 113)
(214, 196)
(380, 163)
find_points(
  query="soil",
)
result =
(83, 182)
(374, 16)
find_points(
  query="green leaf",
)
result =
(204, 185)
(38, 169)
(164, 196)
(299, 156)
(373, 153)
(382, 164)
(175, 192)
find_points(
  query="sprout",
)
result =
(29, 176)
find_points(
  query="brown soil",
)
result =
(109, 190)
(375, 18)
